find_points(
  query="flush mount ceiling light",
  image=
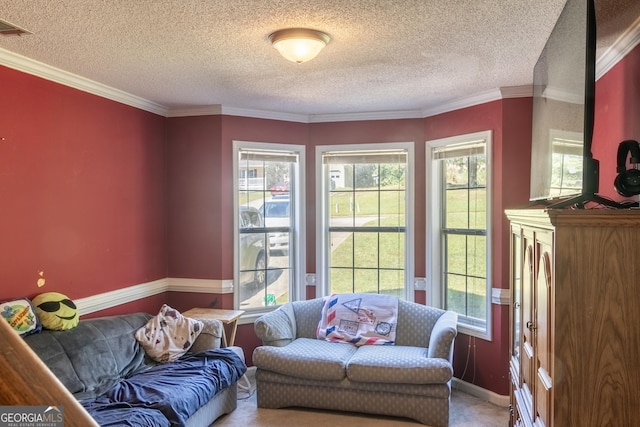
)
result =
(299, 44)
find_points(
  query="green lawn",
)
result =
(374, 262)
(467, 254)
(355, 260)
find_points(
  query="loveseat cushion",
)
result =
(397, 364)
(307, 358)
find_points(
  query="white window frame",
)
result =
(434, 261)
(322, 213)
(297, 289)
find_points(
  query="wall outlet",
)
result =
(310, 279)
(420, 283)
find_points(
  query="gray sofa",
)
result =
(93, 359)
(409, 379)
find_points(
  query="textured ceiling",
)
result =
(384, 56)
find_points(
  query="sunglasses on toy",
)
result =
(53, 306)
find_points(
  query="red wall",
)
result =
(617, 117)
(102, 196)
(194, 183)
(82, 190)
(200, 190)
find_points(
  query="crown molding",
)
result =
(47, 72)
(619, 49)
(210, 110)
(517, 91)
(469, 101)
(372, 115)
(262, 114)
(614, 54)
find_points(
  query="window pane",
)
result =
(366, 208)
(341, 280)
(392, 176)
(253, 258)
(253, 264)
(392, 282)
(392, 250)
(341, 209)
(266, 218)
(477, 296)
(457, 208)
(279, 243)
(477, 256)
(365, 251)
(456, 293)
(365, 281)
(478, 209)
(365, 176)
(364, 193)
(250, 197)
(456, 172)
(341, 249)
(456, 254)
(481, 173)
(392, 202)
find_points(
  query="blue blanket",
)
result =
(175, 390)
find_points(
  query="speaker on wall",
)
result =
(627, 183)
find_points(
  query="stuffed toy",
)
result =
(56, 311)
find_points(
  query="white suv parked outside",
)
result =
(277, 213)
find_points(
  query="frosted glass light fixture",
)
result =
(299, 44)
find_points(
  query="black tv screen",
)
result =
(563, 107)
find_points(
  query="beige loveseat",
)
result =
(409, 379)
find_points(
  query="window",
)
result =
(365, 219)
(566, 162)
(459, 201)
(269, 244)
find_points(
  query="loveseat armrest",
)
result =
(276, 328)
(211, 336)
(443, 335)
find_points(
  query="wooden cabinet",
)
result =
(575, 317)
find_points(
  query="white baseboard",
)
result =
(481, 393)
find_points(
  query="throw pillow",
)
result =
(56, 311)
(21, 316)
(168, 335)
(359, 319)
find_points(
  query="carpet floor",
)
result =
(466, 411)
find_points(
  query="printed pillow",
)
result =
(168, 335)
(21, 315)
(359, 319)
(56, 311)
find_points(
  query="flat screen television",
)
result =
(563, 170)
